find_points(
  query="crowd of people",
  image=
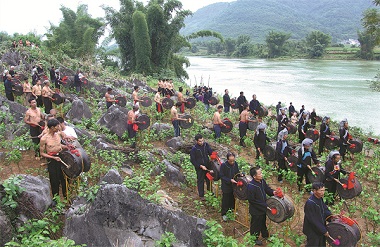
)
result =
(316, 211)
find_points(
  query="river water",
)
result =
(339, 89)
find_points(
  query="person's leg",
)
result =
(53, 169)
(264, 229)
(201, 182)
(281, 167)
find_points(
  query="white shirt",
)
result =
(70, 132)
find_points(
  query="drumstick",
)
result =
(67, 166)
(312, 172)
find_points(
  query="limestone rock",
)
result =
(5, 228)
(173, 174)
(175, 142)
(112, 177)
(115, 119)
(79, 110)
(159, 127)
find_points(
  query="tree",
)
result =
(316, 43)
(230, 45)
(367, 44)
(143, 48)
(275, 42)
(77, 34)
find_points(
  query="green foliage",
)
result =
(317, 43)
(213, 236)
(275, 42)
(212, 201)
(77, 34)
(167, 240)
(206, 33)
(12, 190)
(276, 241)
(143, 48)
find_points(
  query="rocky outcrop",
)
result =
(115, 119)
(160, 127)
(119, 216)
(79, 110)
(5, 228)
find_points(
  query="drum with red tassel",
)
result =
(344, 231)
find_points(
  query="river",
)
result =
(339, 89)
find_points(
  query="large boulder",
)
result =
(118, 213)
(160, 127)
(5, 228)
(115, 119)
(12, 110)
(173, 174)
(112, 177)
(175, 143)
(79, 110)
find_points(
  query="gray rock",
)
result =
(79, 110)
(5, 228)
(173, 174)
(112, 177)
(118, 209)
(12, 109)
(175, 142)
(159, 127)
(115, 119)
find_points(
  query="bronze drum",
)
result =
(228, 127)
(74, 162)
(293, 159)
(144, 121)
(270, 151)
(292, 129)
(121, 101)
(186, 124)
(190, 103)
(241, 188)
(234, 104)
(318, 176)
(146, 102)
(214, 101)
(167, 103)
(312, 134)
(349, 193)
(284, 208)
(332, 142)
(356, 146)
(263, 111)
(253, 125)
(344, 229)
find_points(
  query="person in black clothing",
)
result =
(278, 106)
(78, 82)
(206, 98)
(257, 190)
(282, 120)
(305, 155)
(302, 109)
(40, 70)
(325, 132)
(283, 152)
(228, 172)
(35, 76)
(52, 74)
(8, 88)
(291, 109)
(241, 101)
(226, 101)
(260, 139)
(344, 138)
(12, 71)
(303, 125)
(254, 105)
(316, 214)
(333, 171)
(199, 157)
(313, 118)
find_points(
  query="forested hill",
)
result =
(339, 18)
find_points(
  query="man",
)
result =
(283, 152)
(50, 146)
(199, 157)
(47, 94)
(132, 125)
(135, 97)
(325, 132)
(291, 109)
(109, 98)
(241, 101)
(254, 105)
(313, 118)
(32, 117)
(243, 124)
(52, 74)
(175, 119)
(77, 81)
(333, 170)
(302, 109)
(40, 70)
(305, 155)
(217, 122)
(228, 172)
(206, 98)
(278, 106)
(226, 101)
(37, 93)
(12, 71)
(8, 88)
(344, 140)
(303, 125)
(171, 87)
(181, 99)
(35, 76)
(282, 120)
(316, 214)
(257, 191)
(158, 100)
(260, 139)
(67, 130)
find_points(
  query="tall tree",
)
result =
(77, 34)
(370, 37)
(317, 42)
(143, 48)
(275, 42)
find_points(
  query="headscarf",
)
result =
(308, 142)
(281, 109)
(281, 134)
(332, 153)
(307, 115)
(341, 124)
(261, 126)
(325, 118)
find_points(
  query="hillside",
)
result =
(340, 18)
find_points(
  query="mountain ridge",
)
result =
(340, 18)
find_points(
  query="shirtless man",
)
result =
(181, 99)
(135, 97)
(131, 123)
(166, 87)
(27, 89)
(109, 98)
(47, 94)
(158, 100)
(243, 124)
(176, 118)
(50, 146)
(171, 87)
(217, 121)
(32, 117)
